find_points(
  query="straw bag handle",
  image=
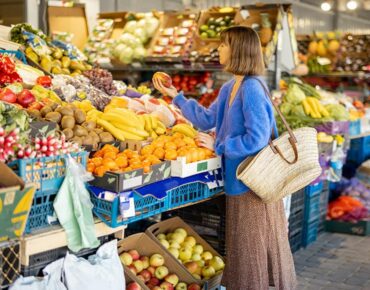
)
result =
(292, 139)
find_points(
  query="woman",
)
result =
(257, 245)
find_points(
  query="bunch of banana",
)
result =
(84, 105)
(312, 107)
(152, 125)
(185, 129)
(93, 115)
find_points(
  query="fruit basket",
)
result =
(145, 258)
(47, 173)
(199, 245)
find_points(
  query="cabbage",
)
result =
(152, 24)
(338, 112)
(139, 52)
(298, 111)
(118, 49)
(130, 26)
(126, 55)
(140, 33)
(286, 108)
(294, 95)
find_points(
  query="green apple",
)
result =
(174, 244)
(165, 243)
(191, 240)
(217, 263)
(198, 249)
(187, 244)
(196, 257)
(168, 236)
(181, 286)
(178, 237)
(156, 260)
(172, 278)
(182, 231)
(161, 236)
(207, 256)
(174, 252)
(196, 276)
(185, 254)
(201, 263)
(138, 265)
(161, 272)
(208, 272)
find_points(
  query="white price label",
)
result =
(132, 182)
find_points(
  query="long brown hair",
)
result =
(245, 51)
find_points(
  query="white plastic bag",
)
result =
(52, 279)
(74, 208)
(102, 271)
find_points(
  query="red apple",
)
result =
(191, 267)
(8, 96)
(134, 254)
(133, 286)
(146, 274)
(164, 78)
(194, 287)
(172, 278)
(156, 288)
(154, 281)
(132, 269)
(151, 269)
(25, 98)
(166, 286)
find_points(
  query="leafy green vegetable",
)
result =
(286, 108)
(17, 36)
(338, 112)
(294, 94)
(298, 111)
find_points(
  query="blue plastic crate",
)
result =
(359, 150)
(18, 54)
(188, 193)
(145, 206)
(48, 174)
(297, 201)
(312, 202)
(355, 128)
(295, 241)
(310, 232)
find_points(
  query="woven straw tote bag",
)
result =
(285, 165)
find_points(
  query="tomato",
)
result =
(44, 81)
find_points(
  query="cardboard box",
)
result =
(41, 127)
(361, 228)
(15, 203)
(180, 168)
(171, 225)
(121, 181)
(134, 145)
(69, 19)
(147, 247)
(119, 19)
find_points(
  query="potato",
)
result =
(94, 136)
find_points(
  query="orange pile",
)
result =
(177, 145)
(110, 159)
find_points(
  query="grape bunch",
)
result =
(101, 79)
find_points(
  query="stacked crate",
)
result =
(296, 220)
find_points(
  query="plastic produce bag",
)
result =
(74, 208)
(52, 279)
(102, 271)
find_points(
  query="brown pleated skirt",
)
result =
(257, 246)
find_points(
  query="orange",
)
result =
(159, 152)
(158, 144)
(170, 146)
(189, 141)
(110, 154)
(122, 161)
(134, 160)
(201, 154)
(189, 158)
(100, 170)
(194, 154)
(153, 159)
(156, 161)
(135, 155)
(147, 169)
(99, 153)
(208, 152)
(170, 154)
(182, 152)
(109, 147)
(96, 161)
(179, 143)
(110, 164)
(178, 135)
(147, 150)
(129, 153)
(90, 167)
(127, 169)
(136, 165)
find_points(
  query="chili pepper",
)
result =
(6, 64)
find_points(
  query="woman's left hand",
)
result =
(171, 91)
(206, 141)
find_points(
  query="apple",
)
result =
(164, 78)
(188, 245)
(197, 276)
(156, 260)
(134, 254)
(178, 237)
(126, 259)
(166, 286)
(161, 236)
(198, 249)
(201, 263)
(191, 240)
(181, 231)
(7, 95)
(207, 256)
(25, 98)
(174, 252)
(138, 265)
(154, 281)
(217, 263)
(133, 286)
(172, 278)
(161, 272)
(168, 236)
(208, 272)
(165, 243)
(174, 244)
(145, 261)
(156, 288)
(185, 254)
(151, 269)
(146, 274)
(191, 267)
(181, 286)
(196, 257)
(132, 269)
(194, 287)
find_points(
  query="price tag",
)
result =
(132, 182)
(136, 65)
(244, 14)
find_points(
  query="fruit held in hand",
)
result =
(164, 78)
(156, 260)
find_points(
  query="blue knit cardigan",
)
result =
(242, 129)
